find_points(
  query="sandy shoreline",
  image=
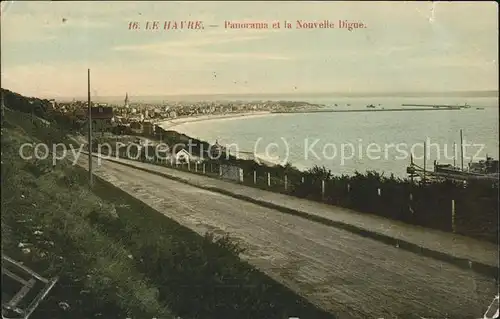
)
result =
(170, 124)
(247, 155)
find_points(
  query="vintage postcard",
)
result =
(239, 159)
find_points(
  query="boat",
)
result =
(446, 168)
(484, 170)
(479, 108)
(483, 167)
(488, 166)
(371, 106)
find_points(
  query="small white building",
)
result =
(183, 156)
(53, 104)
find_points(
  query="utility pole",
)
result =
(425, 160)
(412, 169)
(3, 108)
(90, 132)
(461, 150)
(454, 154)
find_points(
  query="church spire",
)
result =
(126, 99)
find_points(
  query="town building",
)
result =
(216, 150)
(136, 127)
(102, 118)
(147, 128)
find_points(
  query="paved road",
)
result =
(344, 273)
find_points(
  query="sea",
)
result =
(345, 143)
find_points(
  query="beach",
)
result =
(246, 154)
(169, 124)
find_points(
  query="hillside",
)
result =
(115, 256)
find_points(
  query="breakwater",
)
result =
(362, 110)
(436, 105)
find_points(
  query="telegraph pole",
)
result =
(90, 131)
(425, 158)
(454, 154)
(461, 151)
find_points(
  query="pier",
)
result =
(365, 110)
(439, 106)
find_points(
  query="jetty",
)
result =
(439, 106)
(364, 110)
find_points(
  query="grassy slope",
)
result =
(117, 257)
(92, 268)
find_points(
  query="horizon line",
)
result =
(483, 93)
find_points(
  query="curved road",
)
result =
(349, 275)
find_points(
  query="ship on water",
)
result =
(486, 170)
(489, 166)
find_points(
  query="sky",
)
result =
(47, 47)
